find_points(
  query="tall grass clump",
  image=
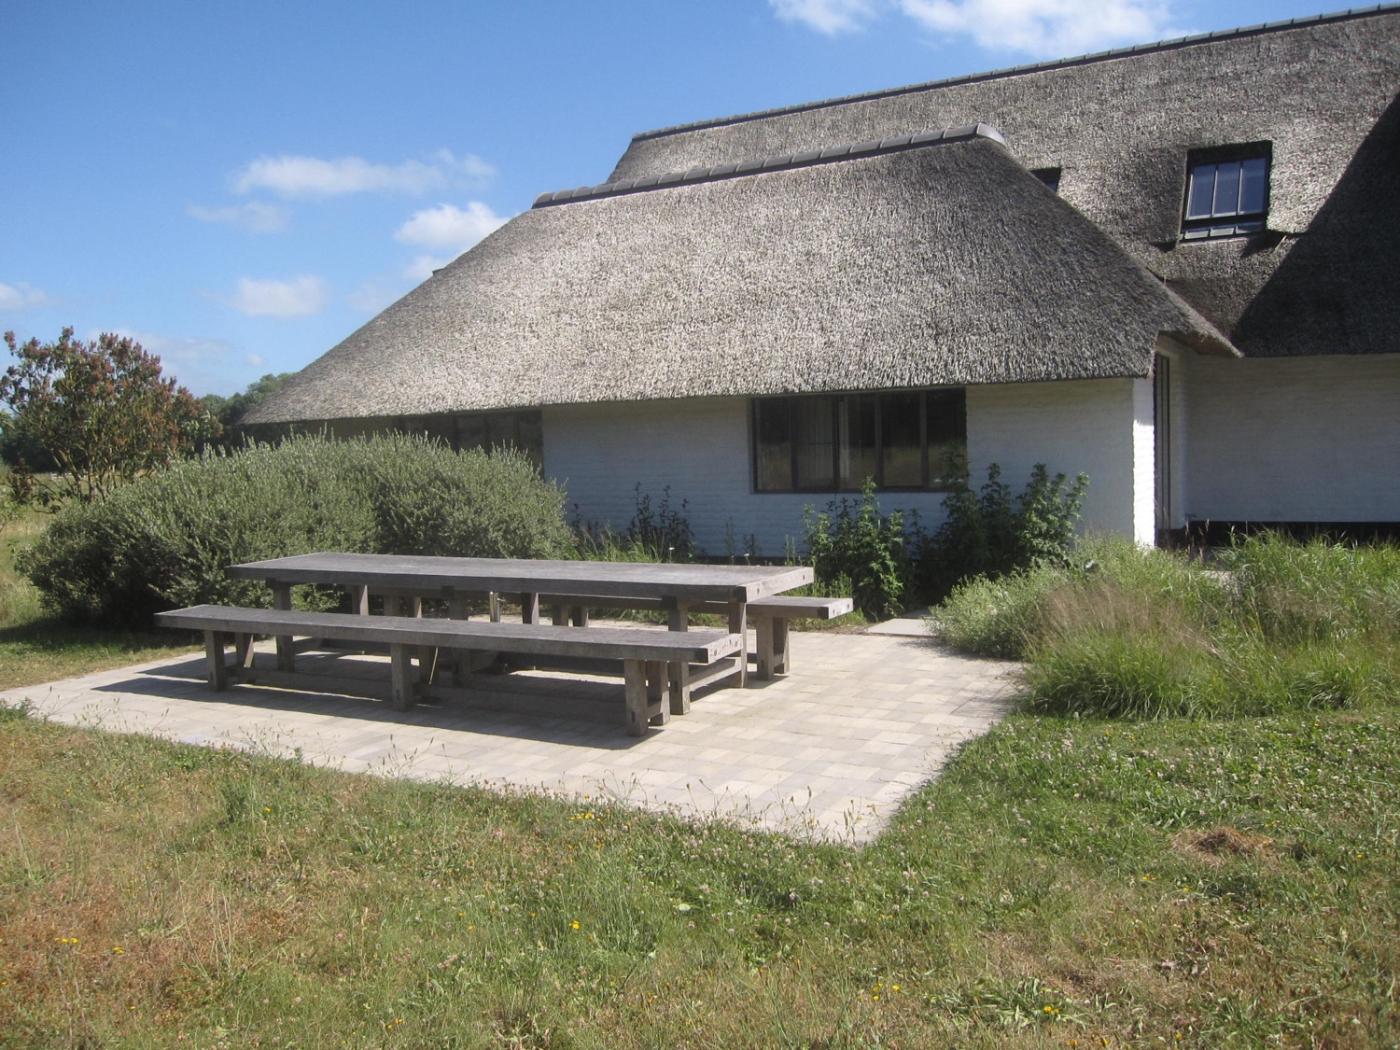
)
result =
(165, 540)
(1123, 631)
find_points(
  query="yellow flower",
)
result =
(574, 924)
(117, 949)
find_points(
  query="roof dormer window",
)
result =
(1227, 192)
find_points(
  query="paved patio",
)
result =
(827, 752)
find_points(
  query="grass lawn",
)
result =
(35, 648)
(1067, 883)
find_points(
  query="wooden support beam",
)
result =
(493, 604)
(282, 599)
(401, 677)
(530, 607)
(738, 624)
(658, 713)
(763, 628)
(678, 673)
(561, 616)
(780, 647)
(634, 678)
(359, 600)
(243, 656)
(580, 615)
(214, 652)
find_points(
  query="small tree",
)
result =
(101, 410)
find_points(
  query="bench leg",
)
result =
(459, 608)
(401, 677)
(529, 608)
(738, 624)
(658, 714)
(763, 627)
(359, 600)
(214, 651)
(580, 615)
(679, 671)
(561, 616)
(780, 647)
(282, 599)
(493, 605)
(634, 678)
(243, 656)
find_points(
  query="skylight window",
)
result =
(1227, 192)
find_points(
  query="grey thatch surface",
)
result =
(1120, 126)
(944, 264)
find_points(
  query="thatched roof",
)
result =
(1119, 124)
(905, 263)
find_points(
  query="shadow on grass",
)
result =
(52, 635)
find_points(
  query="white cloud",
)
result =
(296, 176)
(1046, 28)
(255, 360)
(449, 227)
(826, 16)
(272, 298)
(254, 216)
(422, 267)
(22, 296)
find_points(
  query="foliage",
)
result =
(855, 545)
(1150, 633)
(663, 530)
(229, 411)
(165, 540)
(101, 410)
(1188, 884)
(991, 532)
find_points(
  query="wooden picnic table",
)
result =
(458, 579)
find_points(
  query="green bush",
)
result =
(1125, 631)
(991, 532)
(855, 546)
(165, 540)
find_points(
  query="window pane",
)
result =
(1202, 191)
(1254, 175)
(1227, 189)
(947, 437)
(500, 430)
(903, 448)
(530, 435)
(857, 419)
(471, 432)
(772, 436)
(814, 430)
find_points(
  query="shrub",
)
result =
(996, 616)
(165, 540)
(663, 529)
(856, 544)
(992, 532)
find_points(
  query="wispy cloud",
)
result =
(299, 176)
(253, 216)
(22, 296)
(296, 297)
(1043, 28)
(448, 226)
(831, 17)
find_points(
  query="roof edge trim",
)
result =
(784, 162)
(1033, 67)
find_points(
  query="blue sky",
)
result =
(240, 186)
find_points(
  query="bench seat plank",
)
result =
(701, 647)
(786, 608)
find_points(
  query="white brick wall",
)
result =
(701, 449)
(1294, 439)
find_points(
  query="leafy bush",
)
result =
(1146, 633)
(663, 530)
(856, 545)
(165, 540)
(992, 532)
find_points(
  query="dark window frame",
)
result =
(1049, 178)
(1244, 224)
(928, 484)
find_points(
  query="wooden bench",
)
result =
(770, 618)
(644, 653)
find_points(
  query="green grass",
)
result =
(36, 647)
(1066, 883)
(1275, 626)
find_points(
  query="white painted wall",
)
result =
(1294, 439)
(700, 448)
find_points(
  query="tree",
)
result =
(101, 410)
(229, 411)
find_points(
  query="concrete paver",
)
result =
(828, 752)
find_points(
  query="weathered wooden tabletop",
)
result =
(729, 583)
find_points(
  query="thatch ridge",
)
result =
(1152, 47)
(778, 162)
(928, 266)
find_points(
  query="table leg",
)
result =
(634, 676)
(282, 599)
(243, 654)
(738, 624)
(658, 714)
(561, 616)
(580, 616)
(529, 608)
(780, 646)
(214, 651)
(678, 619)
(493, 603)
(459, 608)
(401, 677)
(763, 628)
(359, 600)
